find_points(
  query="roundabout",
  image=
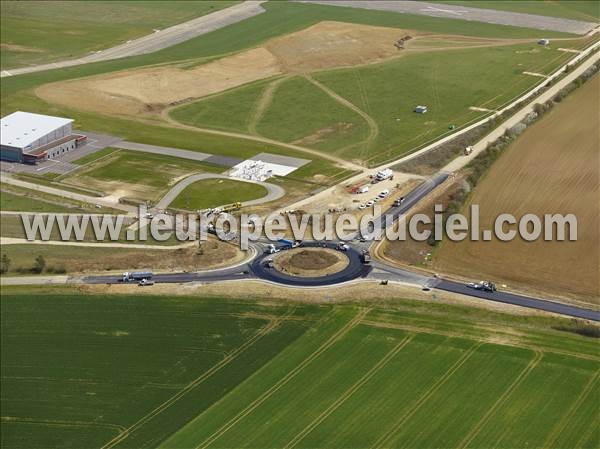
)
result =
(310, 262)
(311, 265)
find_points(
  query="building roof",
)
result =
(21, 129)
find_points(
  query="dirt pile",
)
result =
(310, 262)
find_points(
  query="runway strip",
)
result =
(466, 13)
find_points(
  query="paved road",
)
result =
(519, 300)
(176, 152)
(159, 40)
(274, 192)
(355, 269)
(467, 13)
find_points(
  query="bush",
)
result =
(4, 264)
(586, 330)
(56, 270)
(39, 265)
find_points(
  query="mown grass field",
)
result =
(37, 32)
(216, 192)
(296, 110)
(82, 371)
(12, 202)
(280, 18)
(141, 175)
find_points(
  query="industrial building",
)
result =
(31, 138)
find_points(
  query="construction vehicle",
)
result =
(136, 276)
(232, 207)
(486, 286)
(398, 201)
(145, 283)
(384, 174)
(342, 247)
(272, 249)
(365, 257)
(285, 244)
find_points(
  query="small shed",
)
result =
(421, 109)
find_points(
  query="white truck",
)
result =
(384, 174)
(136, 276)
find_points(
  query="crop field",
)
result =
(79, 371)
(135, 174)
(38, 31)
(216, 192)
(554, 167)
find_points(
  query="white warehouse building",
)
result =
(31, 138)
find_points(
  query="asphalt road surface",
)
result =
(523, 301)
(158, 40)
(216, 159)
(355, 269)
(467, 13)
(273, 191)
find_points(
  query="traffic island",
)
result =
(310, 262)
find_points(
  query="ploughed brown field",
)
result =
(554, 167)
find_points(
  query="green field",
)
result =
(12, 202)
(216, 192)
(585, 10)
(81, 371)
(303, 113)
(140, 173)
(36, 32)
(280, 18)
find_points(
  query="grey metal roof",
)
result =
(21, 129)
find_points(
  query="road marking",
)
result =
(569, 50)
(539, 75)
(475, 108)
(447, 11)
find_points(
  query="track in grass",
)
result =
(190, 373)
